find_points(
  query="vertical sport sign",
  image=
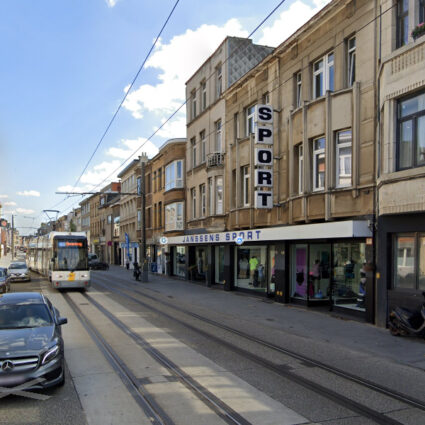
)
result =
(263, 160)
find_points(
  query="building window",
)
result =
(219, 81)
(351, 60)
(245, 186)
(236, 126)
(203, 146)
(218, 136)
(266, 98)
(174, 216)
(421, 11)
(300, 169)
(250, 112)
(203, 95)
(139, 219)
(211, 196)
(193, 101)
(343, 158)
(319, 163)
(109, 219)
(323, 75)
(159, 178)
(193, 145)
(193, 198)
(402, 22)
(148, 183)
(203, 200)
(160, 214)
(298, 88)
(219, 195)
(409, 261)
(411, 132)
(174, 175)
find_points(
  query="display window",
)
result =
(349, 275)
(299, 254)
(201, 263)
(251, 267)
(219, 264)
(319, 275)
(179, 261)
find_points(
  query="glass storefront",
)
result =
(201, 263)
(349, 275)
(299, 271)
(251, 267)
(179, 261)
(219, 264)
(319, 271)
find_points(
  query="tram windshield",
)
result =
(70, 254)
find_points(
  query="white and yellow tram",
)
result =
(62, 257)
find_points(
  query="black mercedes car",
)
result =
(31, 344)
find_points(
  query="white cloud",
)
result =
(176, 63)
(289, 21)
(4, 196)
(128, 146)
(29, 193)
(24, 211)
(174, 128)
(10, 204)
(101, 172)
(111, 3)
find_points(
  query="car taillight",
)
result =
(57, 283)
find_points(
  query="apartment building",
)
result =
(298, 182)
(130, 211)
(95, 225)
(85, 218)
(401, 161)
(165, 203)
(206, 145)
(109, 197)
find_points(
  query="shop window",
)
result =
(299, 271)
(251, 267)
(409, 261)
(402, 22)
(319, 164)
(343, 158)
(349, 275)
(411, 132)
(179, 261)
(219, 264)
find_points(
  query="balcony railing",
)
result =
(215, 159)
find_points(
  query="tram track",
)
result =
(154, 411)
(334, 396)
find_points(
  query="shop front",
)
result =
(326, 264)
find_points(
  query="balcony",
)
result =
(215, 159)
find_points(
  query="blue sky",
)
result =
(65, 66)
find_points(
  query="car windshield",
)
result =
(18, 266)
(15, 316)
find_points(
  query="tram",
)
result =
(62, 257)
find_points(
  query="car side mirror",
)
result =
(62, 321)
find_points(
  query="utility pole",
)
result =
(145, 270)
(13, 238)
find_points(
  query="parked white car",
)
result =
(18, 271)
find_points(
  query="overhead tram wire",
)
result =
(184, 103)
(127, 92)
(231, 119)
(123, 99)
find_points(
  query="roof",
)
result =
(128, 168)
(22, 297)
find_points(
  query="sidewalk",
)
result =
(5, 260)
(248, 311)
